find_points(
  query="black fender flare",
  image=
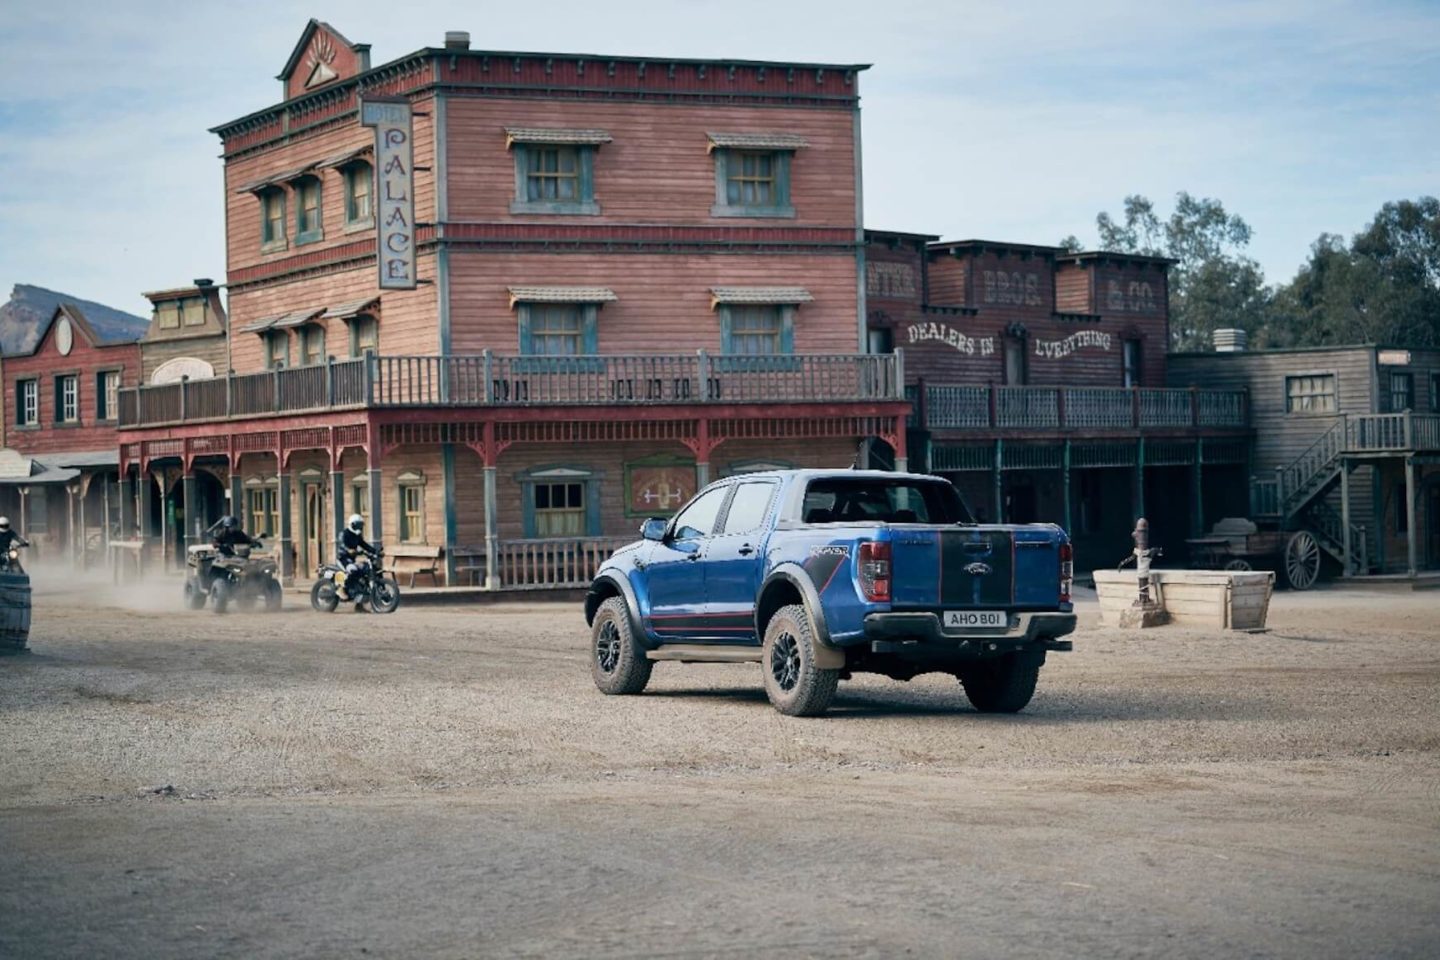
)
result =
(827, 656)
(622, 584)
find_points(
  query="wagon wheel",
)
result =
(1239, 565)
(1302, 560)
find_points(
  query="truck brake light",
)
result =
(874, 568)
(1067, 571)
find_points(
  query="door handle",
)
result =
(745, 550)
(693, 556)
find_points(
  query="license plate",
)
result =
(975, 618)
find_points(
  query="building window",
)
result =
(1435, 393)
(412, 507)
(192, 312)
(880, 340)
(263, 507)
(558, 329)
(1130, 362)
(27, 403)
(553, 178)
(1310, 393)
(1401, 395)
(1016, 372)
(272, 219)
(277, 350)
(752, 183)
(560, 501)
(559, 509)
(359, 188)
(1402, 515)
(167, 314)
(67, 399)
(364, 335)
(753, 330)
(312, 345)
(107, 395)
(360, 497)
(307, 210)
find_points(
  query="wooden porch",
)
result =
(992, 408)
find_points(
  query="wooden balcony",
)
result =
(489, 380)
(1042, 409)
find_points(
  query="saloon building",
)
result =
(506, 304)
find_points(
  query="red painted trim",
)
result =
(644, 233)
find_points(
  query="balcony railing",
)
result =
(1095, 408)
(1391, 431)
(488, 380)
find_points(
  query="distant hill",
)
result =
(24, 315)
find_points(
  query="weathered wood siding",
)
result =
(894, 286)
(85, 361)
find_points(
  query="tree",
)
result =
(1212, 283)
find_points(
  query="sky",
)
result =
(1015, 121)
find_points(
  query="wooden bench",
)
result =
(428, 557)
(469, 564)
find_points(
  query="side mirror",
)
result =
(653, 528)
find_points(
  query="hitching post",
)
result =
(1144, 612)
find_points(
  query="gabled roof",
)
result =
(305, 36)
(79, 323)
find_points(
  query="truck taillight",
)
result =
(1067, 571)
(874, 569)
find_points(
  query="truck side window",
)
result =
(698, 519)
(747, 510)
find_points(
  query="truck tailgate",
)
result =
(978, 567)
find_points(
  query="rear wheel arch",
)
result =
(786, 586)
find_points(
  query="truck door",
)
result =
(674, 571)
(734, 560)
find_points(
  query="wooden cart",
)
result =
(1238, 544)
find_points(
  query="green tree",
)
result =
(1213, 284)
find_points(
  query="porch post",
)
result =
(105, 516)
(492, 541)
(23, 525)
(282, 497)
(82, 541)
(1139, 476)
(237, 495)
(447, 455)
(902, 454)
(192, 516)
(996, 479)
(377, 499)
(1410, 512)
(337, 502)
(1349, 566)
(702, 461)
(127, 506)
(1065, 483)
(1197, 477)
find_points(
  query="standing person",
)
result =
(8, 539)
(351, 545)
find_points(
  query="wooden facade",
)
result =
(634, 276)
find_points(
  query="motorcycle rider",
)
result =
(9, 538)
(351, 545)
(227, 535)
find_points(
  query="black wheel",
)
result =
(1302, 560)
(1004, 684)
(194, 597)
(795, 686)
(384, 596)
(272, 596)
(322, 596)
(617, 660)
(1239, 566)
(220, 594)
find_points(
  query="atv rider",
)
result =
(8, 539)
(227, 535)
(351, 545)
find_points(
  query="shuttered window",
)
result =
(559, 509)
(307, 210)
(1311, 393)
(27, 403)
(272, 219)
(358, 186)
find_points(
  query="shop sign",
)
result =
(395, 186)
(1056, 349)
(1394, 358)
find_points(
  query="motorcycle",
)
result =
(372, 587)
(10, 559)
(242, 579)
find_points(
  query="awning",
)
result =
(561, 295)
(285, 176)
(350, 310)
(514, 135)
(299, 318)
(719, 295)
(757, 141)
(259, 326)
(344, 157)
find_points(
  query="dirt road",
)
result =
(447, 782)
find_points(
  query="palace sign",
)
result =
(395, 186)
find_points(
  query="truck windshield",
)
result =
(867, 499)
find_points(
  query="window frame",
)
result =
(1132, 375)
(268, 491)
(360, 496)
(587, 360)
(407, 481)
(584, 203)
(724, 522)
(1435, 392)
(107, 397)
(185, 316)
(271, 338)
(173, 314)
(353, 173)
(556, 473)
(308, 334)
(27, 419)
(1021, 343)
(269, 240)
(1392, 377)
(723, 491)
(781, 207)
(1334, 393)
(63, 405)
(314, 232)
(358, 323)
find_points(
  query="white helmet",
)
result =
(4, 523)
(357, 522)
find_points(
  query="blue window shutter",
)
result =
(590, 328)
(592, 507)
(722, 177)
(522, 159)
(523, 311)
(782, 179)
(787, 329)
(725, 345)
(527, 508)
(58, 401)
(586, 156)
(19, 402)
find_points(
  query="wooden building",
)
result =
(600, 282)
(1040, 390)
(1347, 449)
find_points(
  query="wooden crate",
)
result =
(1193, 598)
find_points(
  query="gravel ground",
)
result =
(447, 782)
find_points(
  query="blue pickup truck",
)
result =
(821, 574)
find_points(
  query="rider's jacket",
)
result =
(352, 545)
(227, 540)
(9, 538)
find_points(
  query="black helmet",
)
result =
(229, 522)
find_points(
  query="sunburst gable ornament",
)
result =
(322, 55)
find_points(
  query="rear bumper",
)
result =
(891, 632)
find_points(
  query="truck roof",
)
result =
(839, 474)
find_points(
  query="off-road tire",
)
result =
(617, 660)
(323, 597)
(220, 594)
(194, 597)
(384, 596)
(795, 686)
(1004, 684)
(273, 596)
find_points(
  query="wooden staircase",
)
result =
(1295, 498)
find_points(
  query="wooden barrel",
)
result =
(14, 612)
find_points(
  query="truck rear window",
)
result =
(863, 499)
